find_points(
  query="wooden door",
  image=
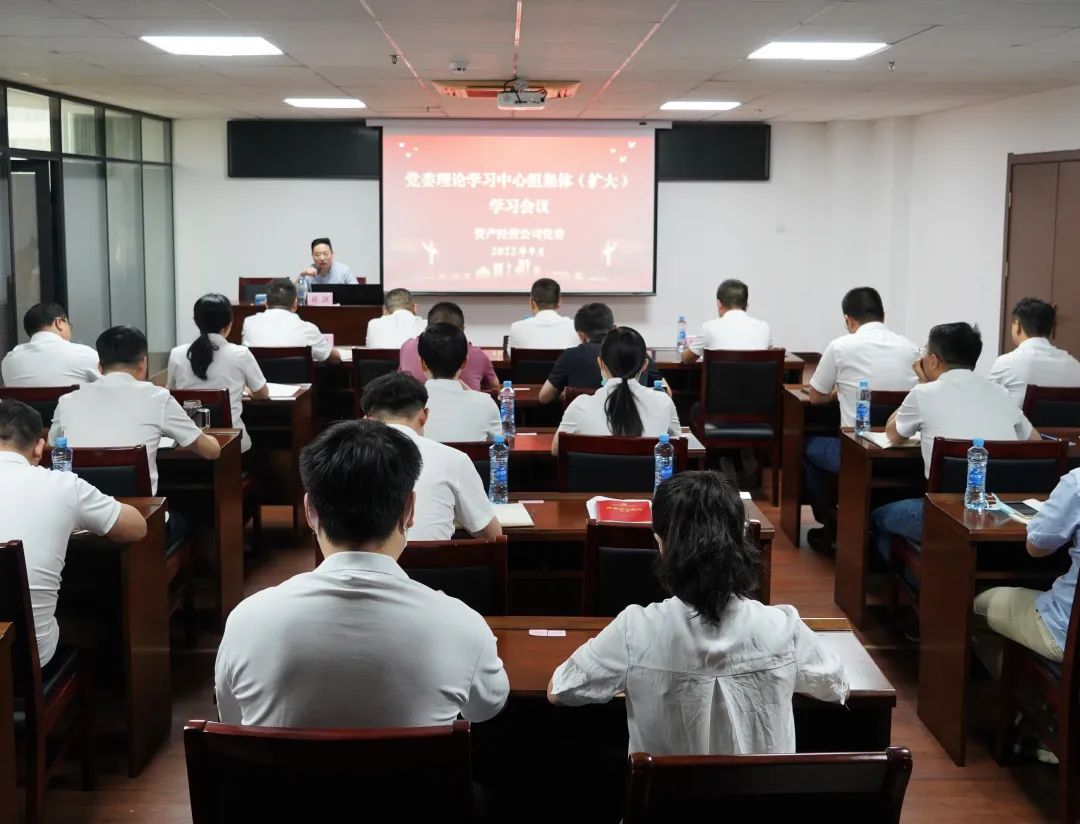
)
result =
(1029, 253)
(1066, 285)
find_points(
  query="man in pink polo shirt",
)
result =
(478, 372)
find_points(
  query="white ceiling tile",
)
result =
(164, 9)
(55, 27)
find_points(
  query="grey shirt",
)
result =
(339, 273)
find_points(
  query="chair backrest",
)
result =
(15, 607)
(532, 365)
(285, 364)
(473, 571)
(867, 786)
(572, 393)
(742, 386)
(480, 456)
(883, 404)
(41, 398)
(1070, 662)
(1013, 466)
(120, 471)
(216, 400)
(250, 287)
(369, 364)
(608, 463)
(273, 774)
(1052, 406)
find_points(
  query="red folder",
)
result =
(631, 512)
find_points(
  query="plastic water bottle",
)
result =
(61, 455)
(975, 494)
(658, 386)
(302, 286)
(499, 470)
(862, 408)
(506, 411)
(663, 460)
(680, 336)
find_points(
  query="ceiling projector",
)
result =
(519, 100)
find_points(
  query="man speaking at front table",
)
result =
(324, 269)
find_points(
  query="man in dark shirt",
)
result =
(579, 366)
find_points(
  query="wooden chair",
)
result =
(532, 365)
(367, 365)
(273, 774)
(285, 364)
(43, 697)
(607, 463)
(473, 571)
(41, 398)
(882, 404)
(479, 455)
(250, 287)
(1048, 694)
(572, 393)
(1052, 406)
(740, 404)
(864, 787)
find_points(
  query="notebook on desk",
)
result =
(511, 515)
(881, 439)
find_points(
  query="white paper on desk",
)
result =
(513, 515)
(590, 505)
(882, 439)
(166, 443)
(282, 391)
(745, 495)
(345, 353)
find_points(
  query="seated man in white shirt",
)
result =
(357, 644)
(455, 412)
(870, 351)
(546, 329)
(950, 401)
(733, 329)
(324, 269)
(42, 508)
(280, 325)
(398, 323)
(449, 491)
(49, 358)
(1035, 361)
(709, 671)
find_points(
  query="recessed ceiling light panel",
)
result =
(325, 102)
(779, 50)
(699, 106)
(210, 46)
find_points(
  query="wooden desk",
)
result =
(210, 493)
(800, 418)
(538, 440)
(283, 426)
(959, 548)
(865, 467)
(138, 571)
(348, 324)
(9, 794)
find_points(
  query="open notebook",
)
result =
(882, 440)
(513, 515)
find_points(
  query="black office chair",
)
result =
(285, 364)
(606, 463)
(531, 366)
(216, 400)
(250, 287)
(883, 404)
(1052, 406)
(41, 398)
(367, 365)
(618, 568)
(473, 571)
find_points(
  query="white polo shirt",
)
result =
(735, 330)
(121, 411)
(449, 490)
(1034, 362)
(547, 329)
(232, 368)
(874, 353)
(960, 404)
(459, 414)
(42, 508)
(49, 360)
(356, 644)
(280, 327)
(586, 415)
(390, 331)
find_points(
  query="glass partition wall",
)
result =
(85, 215)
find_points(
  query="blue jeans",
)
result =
(903, 518)
(822, 460)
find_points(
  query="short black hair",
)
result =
(358, 476)
(398, 299)
(733, 294)
(594, 320)
(708, 556)
(280, 293)
(319, 240)
(956, 344)
(121, 346)
(20, 424)
(1036, 317)
(446, 312)
(398, 393)
(443, 347)
(863, 305)
(545, 293)
(40, 315)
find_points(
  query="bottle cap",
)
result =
(665, 437)
(864, 384)
(682, 317)
(61, 441)
(978, 442)
(500, 438)
(658, 384)
(507, 384)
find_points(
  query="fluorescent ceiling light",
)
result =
(325, 102)
(816, 51)
(212, 46)
(699, 106)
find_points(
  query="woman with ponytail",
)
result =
(622, 406)
(211, 362)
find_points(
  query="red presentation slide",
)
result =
(487, 213)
